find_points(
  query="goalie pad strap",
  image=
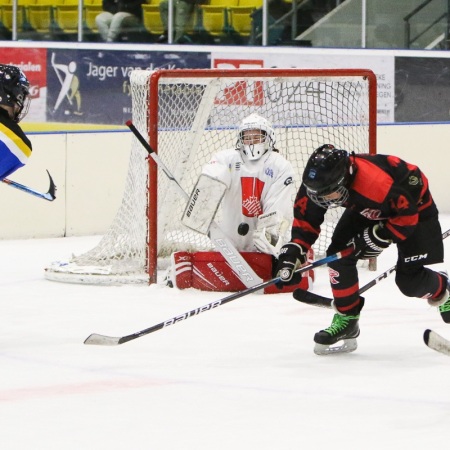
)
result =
(203, 204)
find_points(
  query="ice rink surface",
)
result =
(241, 376)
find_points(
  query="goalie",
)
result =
(253, 184)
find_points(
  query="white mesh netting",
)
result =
(197, 117)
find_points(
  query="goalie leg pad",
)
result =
(212, 273)
(203, 204)
(208, 271)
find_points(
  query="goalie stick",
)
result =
(325, 302)
(436, 342)
(50, 195)
(221, 242)
(99, 339)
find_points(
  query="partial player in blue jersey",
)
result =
(15, 147)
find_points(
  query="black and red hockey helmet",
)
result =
(329, 170)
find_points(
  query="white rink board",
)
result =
(89, 171)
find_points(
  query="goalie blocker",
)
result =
(203, 204)
(208, 271)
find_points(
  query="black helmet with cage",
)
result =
(328, 171)
(14, 91)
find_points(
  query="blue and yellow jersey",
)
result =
(15, 147)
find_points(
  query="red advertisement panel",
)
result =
(33, 63)
(241, 92)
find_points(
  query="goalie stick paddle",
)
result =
(99, 339)
(239, 265)
(436, 342)
(50, 195)
(325, 302)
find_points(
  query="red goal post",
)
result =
(189, 114)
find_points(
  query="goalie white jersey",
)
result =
(253, 188)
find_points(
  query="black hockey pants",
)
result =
(422, 248)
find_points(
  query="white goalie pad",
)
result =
(203, 203)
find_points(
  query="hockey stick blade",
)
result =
(100, 339)
(325, 302)
(50, 195)
(436, 342)
(312, 299)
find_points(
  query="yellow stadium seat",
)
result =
(66, 17)
(214, 15)
(241, 20)
(152, 19)
(40, 17)
(253, 3)
(90, 13)
(225, 3)
(7, 17)
(214, 19)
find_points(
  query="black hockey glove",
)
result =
(368, 244)
(291, 257)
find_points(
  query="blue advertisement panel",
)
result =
(93, 86)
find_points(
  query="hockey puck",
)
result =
(243, 228)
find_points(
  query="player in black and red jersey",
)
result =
(386, 201)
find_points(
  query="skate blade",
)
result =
(347, 346)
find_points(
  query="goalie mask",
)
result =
(14, 91)
(256, 137)
(327, 176)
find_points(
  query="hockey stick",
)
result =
(436, 342)
(325, 302)
(221, 242)
(50, 195)
(99, 339)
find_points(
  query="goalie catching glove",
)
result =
(292, 256)
(270, 233)
(369, 244)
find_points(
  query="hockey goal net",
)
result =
(186, 116)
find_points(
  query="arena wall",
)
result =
(89, 169)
